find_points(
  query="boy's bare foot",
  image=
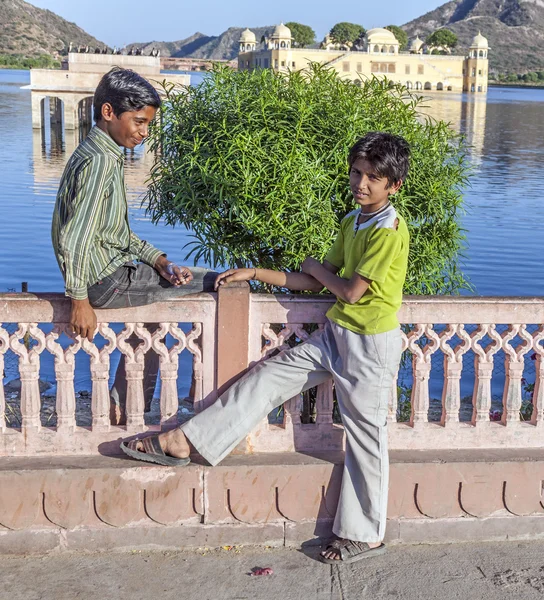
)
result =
(173, 443)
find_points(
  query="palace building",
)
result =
(417, 69)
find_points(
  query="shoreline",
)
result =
(516, 84)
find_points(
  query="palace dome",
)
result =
(248, 37)
(379, 34)
(480, 41)
(281, 31)
(416, 44)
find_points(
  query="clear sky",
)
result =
(120, 22)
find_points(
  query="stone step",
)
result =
(102, 503)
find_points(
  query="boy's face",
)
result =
(370, 191)
(131, 127)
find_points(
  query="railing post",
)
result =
(233, 306)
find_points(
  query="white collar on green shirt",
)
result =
(385, 219)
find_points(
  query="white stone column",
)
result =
(71, 120)
(37, 111)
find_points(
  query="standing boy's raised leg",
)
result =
(217, 430)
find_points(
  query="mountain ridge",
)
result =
(30, 31)
(514, 28)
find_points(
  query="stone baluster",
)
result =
(195, 348)
(483, 369)
(514, 364)
(4, 347)
(537, 418)
(64, 373)
(324, 403)
(421, 370)
(100, 372)
(29, 370)
(134, 367)
(169, 364)
(453, 367)
(277, 341)
(393, 396)
(293, 406)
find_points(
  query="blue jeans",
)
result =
(138, 284)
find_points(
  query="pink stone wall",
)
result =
(234, 329)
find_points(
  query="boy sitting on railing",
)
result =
(360, 348)
(92, 240)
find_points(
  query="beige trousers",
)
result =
(363, 368)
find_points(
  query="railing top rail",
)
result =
(415, 309)
(55, 308)
(301, 308)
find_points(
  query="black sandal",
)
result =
(350, 551)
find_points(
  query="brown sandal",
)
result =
(350, 551)
(153, 452)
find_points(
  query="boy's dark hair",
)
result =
(388, 154)
(126, 91)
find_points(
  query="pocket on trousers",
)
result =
(102, 292)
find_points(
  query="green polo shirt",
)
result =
(378, 252)
(90, 231)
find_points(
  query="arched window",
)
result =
(384, 49)
(440, 86)
(242, 47)
(428, 86)
(391, 49)
(449, 88)
(409, 85)
(419, 86)
(481, 53)
(283, 44)
(376, 48)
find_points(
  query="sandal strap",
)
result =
(348, 548)
(152, 445)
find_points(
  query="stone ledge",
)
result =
(101, 503)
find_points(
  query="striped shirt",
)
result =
(90, 231)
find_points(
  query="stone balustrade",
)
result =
(231, 330)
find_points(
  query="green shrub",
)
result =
(255, 164)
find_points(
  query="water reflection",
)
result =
(466, 113)
(51, 148)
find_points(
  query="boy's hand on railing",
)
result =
(235, 275)
(309, 266)
(83, 319)
(171, 272)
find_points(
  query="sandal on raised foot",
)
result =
(350, 551)
(153, 452)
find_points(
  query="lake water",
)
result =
(505, 209)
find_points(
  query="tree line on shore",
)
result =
(531, 77)
(18, 61)
(351, 35)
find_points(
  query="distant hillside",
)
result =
(31, 31)
(514, 28)
(221, 47)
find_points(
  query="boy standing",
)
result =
(92, 240)
(360, 348)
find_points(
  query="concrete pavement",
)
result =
(491, 571)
